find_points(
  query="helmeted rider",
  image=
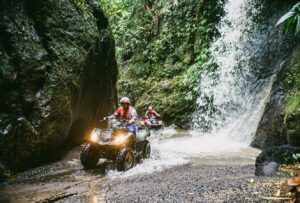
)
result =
(151, 115)
(127, 112)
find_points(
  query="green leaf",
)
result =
(298, 25)
(296, 7)
(288, 24)
(292, 20)
(285, 17)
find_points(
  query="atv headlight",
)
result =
(120, 139)
(94, 136)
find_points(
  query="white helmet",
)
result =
(125, 100)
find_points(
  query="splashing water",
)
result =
(232, 98)
(231, 102)
(171, 148)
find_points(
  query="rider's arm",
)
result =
(156, 114)
(111, 116)
(116, 114)
(133, 116)
(146, 115)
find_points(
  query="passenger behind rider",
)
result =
(127, 112)
(151, 115)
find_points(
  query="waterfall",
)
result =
(232, 97)
(234, 87)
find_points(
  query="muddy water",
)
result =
(67, 181)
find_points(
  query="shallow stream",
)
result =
(66, 179)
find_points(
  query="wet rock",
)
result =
(270, 168)
(57, 76)
(277, 126)
(268, 161)
(272, 130)
(293, 127)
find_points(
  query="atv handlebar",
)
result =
(122, 122)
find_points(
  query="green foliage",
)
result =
(84, 9)
(294, 103)
(161, 50)
(292, 108)
(296, 157)
(120, 13)
(292, 19)
(292, 81)
(82, 5)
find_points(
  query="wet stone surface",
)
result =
(207, 183)
(227, 177)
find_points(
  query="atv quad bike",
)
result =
(155, 124)
(116, 144)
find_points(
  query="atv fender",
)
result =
(142, 135)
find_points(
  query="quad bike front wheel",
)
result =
(125, 159)
(89, 156)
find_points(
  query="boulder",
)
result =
(269, 159)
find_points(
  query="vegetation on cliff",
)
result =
(292, 78)
(161, 48)
(292, 108)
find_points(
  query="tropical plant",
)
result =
(292, 19)
(296, 157)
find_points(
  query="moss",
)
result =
(293, 105)
(292, 108)
(59, 71)
(292, 84)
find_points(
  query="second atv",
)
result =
(155, 124)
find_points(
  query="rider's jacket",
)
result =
(151, 115)
(127, 114)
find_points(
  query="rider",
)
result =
(127, 112)
(151, 115)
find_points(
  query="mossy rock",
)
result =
(57, 72)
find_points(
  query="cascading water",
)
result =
(232, 98)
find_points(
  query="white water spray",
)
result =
(230, 105)
(232, 99)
